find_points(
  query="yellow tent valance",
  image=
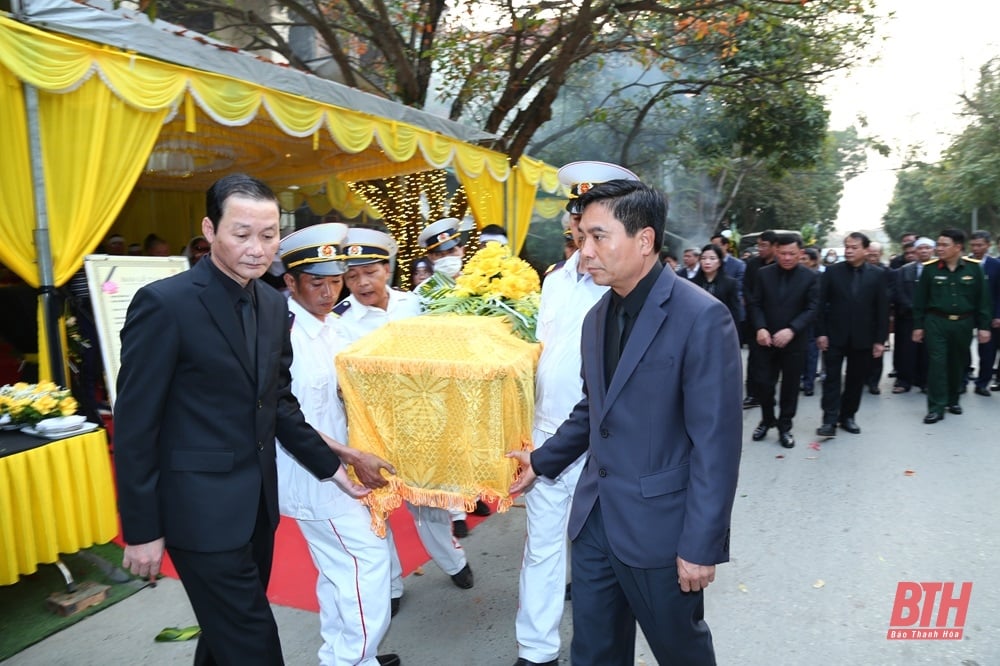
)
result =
(59, 64)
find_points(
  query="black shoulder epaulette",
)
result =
(291, 320)
(554, 267)
(340, 308)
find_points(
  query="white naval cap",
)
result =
(579, 177)
(315, 249)
(440, 236)
(368, 246)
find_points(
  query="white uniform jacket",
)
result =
(314, 382)
(567, 296)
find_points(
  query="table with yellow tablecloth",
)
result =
(442, 398)
(55, 498)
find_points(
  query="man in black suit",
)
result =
(909, 358)
(853, 324)
(204, 388)
(764, 257)
(782, 309)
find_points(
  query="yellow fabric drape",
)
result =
(528, 176)
(56, 498)
(17, 208)
(486, 198)
(94, 149)
(442, 398)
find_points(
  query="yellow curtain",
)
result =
(95, 147)
(529, 175)
(17, 209)
(486, 198)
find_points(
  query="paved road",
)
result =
(821, 537)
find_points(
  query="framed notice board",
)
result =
(112, 281)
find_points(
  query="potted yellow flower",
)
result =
(27, 404)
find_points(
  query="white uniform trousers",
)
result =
(542, 586)
(353, 586)
(434, 529)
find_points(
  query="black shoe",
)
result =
(808, 392)
(482, 509)
(995, 386)
(750, 403)
(463, 578)
(388, 660)
(850, 426)
(983, 391)
(524, 662)
(786, 439)
(827, 430)
(460, 529)
(955, 409)
(892, 374)
(933, 417)
(394, 606)
(874, 389)
(760, 432)
(569, 592)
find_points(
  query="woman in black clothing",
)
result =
(713, 279)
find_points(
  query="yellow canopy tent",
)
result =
(102, 102)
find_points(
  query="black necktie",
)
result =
(249, 315)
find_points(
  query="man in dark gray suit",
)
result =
(650, 518)
(204, 388)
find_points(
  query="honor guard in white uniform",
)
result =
(568, 293)
(373, 304)
(353, 563)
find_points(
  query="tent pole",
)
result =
(47, 295)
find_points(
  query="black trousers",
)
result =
(228, 592)
(909, 358)
(772, 362)
(987, 357)
(837, 406)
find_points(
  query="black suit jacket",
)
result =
(854, 322)
(793, 305)
(194, 424)
(725, 288)
(905, 280)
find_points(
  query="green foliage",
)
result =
(918, 204)
(929, 197)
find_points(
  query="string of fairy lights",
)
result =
(408, 204)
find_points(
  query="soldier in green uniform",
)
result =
(951, 298)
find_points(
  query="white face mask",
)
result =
(450, 266)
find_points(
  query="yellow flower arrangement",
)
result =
(30, 403)
(492, 283)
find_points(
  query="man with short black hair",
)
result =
(979, 244)
(764, 257)
(852, 326)
(951, 300)
(650, 517)
(203, 391)
(782, 310)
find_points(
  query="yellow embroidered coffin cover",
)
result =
(442, 398)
